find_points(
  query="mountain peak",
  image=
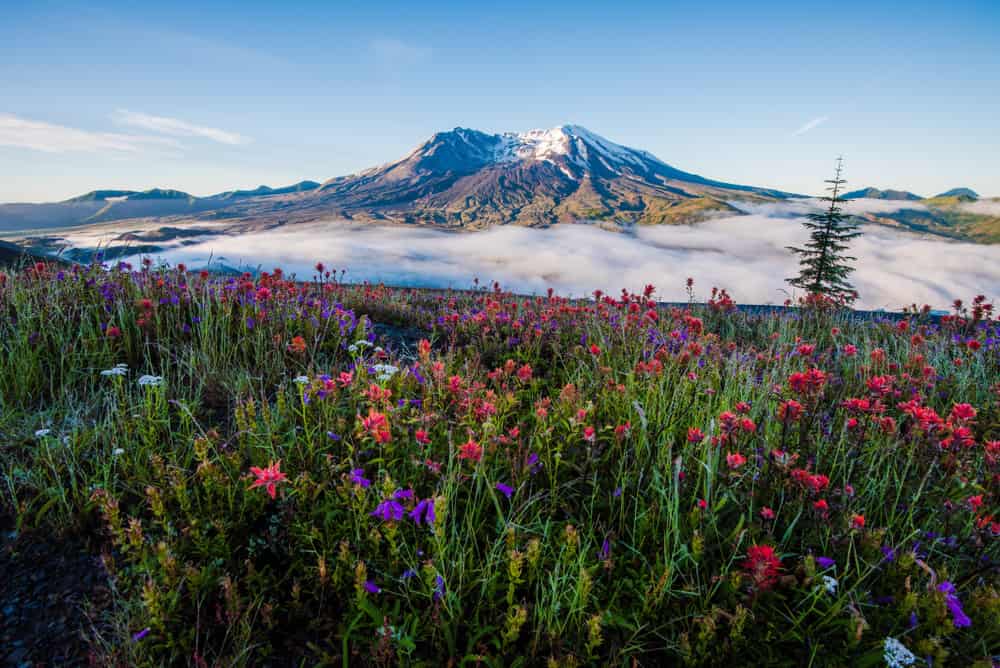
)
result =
(563, 144)
(960, 192)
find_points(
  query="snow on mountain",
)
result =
(564, 143)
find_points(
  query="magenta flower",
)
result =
(358, 478)
(605, 550)
(958, 616)
(389, 510)
(423, 512)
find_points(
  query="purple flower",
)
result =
(389, 510)
(438, 588)
(605, 550)
(403, 494)
(423, 512)
(617, 492)
(958, 616)
(336, 437)
(371, 587)
(358, 478)
(136, 637)
(506, 489)
(825, 562)
(888, 553)
(407, 574)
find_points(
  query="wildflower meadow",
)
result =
(294, 471)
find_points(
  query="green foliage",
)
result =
(824, 266)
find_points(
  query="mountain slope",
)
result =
(467, 178)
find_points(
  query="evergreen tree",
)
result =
(824, 266)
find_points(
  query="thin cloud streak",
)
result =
(394, 54)
(176, 127)
(51, 138)
(811, 125)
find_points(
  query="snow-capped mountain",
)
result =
(461, 178)
(468, 178)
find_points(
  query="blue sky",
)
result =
(209, 96)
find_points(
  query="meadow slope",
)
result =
(286, 473)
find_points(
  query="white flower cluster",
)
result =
(42, 433)
(150, 381)
(896, 654)
(117, 370)
(830, 583)
(358, 345)
(384, 372)
(301, 380)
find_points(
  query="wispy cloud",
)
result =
(811, 125)
(395, 54)
(176, 127)
(52, 138)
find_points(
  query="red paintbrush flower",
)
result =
(269, 477)
(763, 566)
(789, 411)
(377, 425)
(961, 412)
(298, 345)
(470, 450)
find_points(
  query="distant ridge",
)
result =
(260, 191)
(106, 195)
(101, 195)
(875, 193)
(161, 193)
(960, 192)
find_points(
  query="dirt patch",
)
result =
(47, 585)
(402, 340)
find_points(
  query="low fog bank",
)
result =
(984, 207)
(745, 254)
(794, 208)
